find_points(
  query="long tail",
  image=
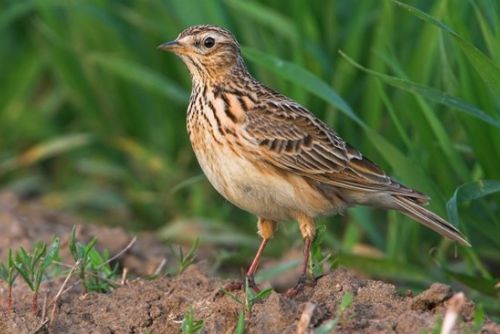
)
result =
(417, 212)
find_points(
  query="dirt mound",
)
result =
(160, 305)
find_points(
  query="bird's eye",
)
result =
(209, 42)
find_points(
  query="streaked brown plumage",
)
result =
(270, 156)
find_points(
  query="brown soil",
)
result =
(158, 306)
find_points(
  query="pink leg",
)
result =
(266, 229)
(303, 276)
(307, 251)
(255, 263)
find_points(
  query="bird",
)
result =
(270, 156)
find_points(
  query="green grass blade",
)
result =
(275, 271)
(240, 327)
(140, 75)
(385, 268)
(47, 149)
(485, 67)
(13, 12)
(492, 40)
(405, 168)
(485, 285)
(429, 93)
(468, 192)
(267, 17)
(394, 117)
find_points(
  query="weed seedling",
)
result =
(251, 297)
(317, 258)
(32, 266)
(329, 326)
(189, 258)
(8, 274)
(94, 269)
(80, 252)
(479, 318)
(438, 324)
(190, 325)
(103, 275)
(240, 327)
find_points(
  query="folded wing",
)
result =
(291, 138)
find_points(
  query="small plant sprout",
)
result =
(317, 258)
(32, 266)
(94, 269)
(240, 326)
(8, 274)
(251, 297)
(80, 252)
(329, 326)
(344, 303)
(103, 277)
(189, 258)
(479, 318)
(190, 325)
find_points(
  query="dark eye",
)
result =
(209, 42)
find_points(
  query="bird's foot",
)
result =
(249, 282)
(302, 282)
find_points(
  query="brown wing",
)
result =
(291, 138)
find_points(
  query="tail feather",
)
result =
(415, 211)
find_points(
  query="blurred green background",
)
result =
(92, 120)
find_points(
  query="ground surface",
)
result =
(158, 306)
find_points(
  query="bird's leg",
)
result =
(307, 252)
(266, 229)
(308, 231)
(249, 276)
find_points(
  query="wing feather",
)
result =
(291, 138)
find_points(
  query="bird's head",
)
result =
(209, 52)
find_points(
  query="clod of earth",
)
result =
(159, 306)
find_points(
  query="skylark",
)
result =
(270, 156)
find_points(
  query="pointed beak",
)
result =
(171, 46)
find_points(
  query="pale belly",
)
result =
(265, 193)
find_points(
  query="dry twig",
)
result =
(455, 305)
(305, 318)
(61, 290)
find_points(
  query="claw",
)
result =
(251, 283)
(293, 292)
(238, 285)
